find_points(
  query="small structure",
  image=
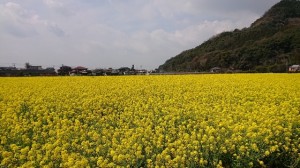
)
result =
(215, 70)
(8, 71)
(99, 72)
(27, 71)
(50, 71)
(141, 72)
(124, 70)
(30, 67)
(7, 68)
(64, 70)
(79, 70)
(294, 68)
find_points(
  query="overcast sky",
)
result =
(115, 33)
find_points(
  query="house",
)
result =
(141, 72)
(99, 72)
(294, 68)
(8, 71)
(50, 71)
(35, 67)
(7, 68)
(64, 70)
(124, 70)
(79, 70)
(215, 70)
(30, 67)
(29, 70)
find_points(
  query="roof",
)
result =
(64, 66)
(8, 68)
(295, 66)
(80, 68)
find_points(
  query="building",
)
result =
(124, 70)
(79, 70)
(215, 70)
(294, 68)
(30, 67)
(7, 68)
(64, 70)
(99, 72)
(36, 71)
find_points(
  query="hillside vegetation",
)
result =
(270, 44)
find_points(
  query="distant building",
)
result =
(294, 68)
(64, 70)
(8, 71)
(141, 72)
(124, 70)
(79, 70)
(7, 68)
(50, 71)
(28, 71)
(215, 70)
(30, 67)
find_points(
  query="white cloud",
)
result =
(113, 32)
(20, 22)
(54, 28)
(54, 3)
(16, 21)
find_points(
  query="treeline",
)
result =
(269, 45)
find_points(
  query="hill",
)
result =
(270, 44)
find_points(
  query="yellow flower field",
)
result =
(234, 120)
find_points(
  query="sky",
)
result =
(115, 33)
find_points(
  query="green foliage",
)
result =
(271, 43)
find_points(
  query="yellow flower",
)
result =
(161, 121)
(267, 153)
(250, 164)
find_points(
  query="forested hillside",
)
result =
(270, 44)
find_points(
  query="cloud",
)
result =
(54, 28)
(114, 33)
(54, 3)
(61, 7)
(20, 22)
